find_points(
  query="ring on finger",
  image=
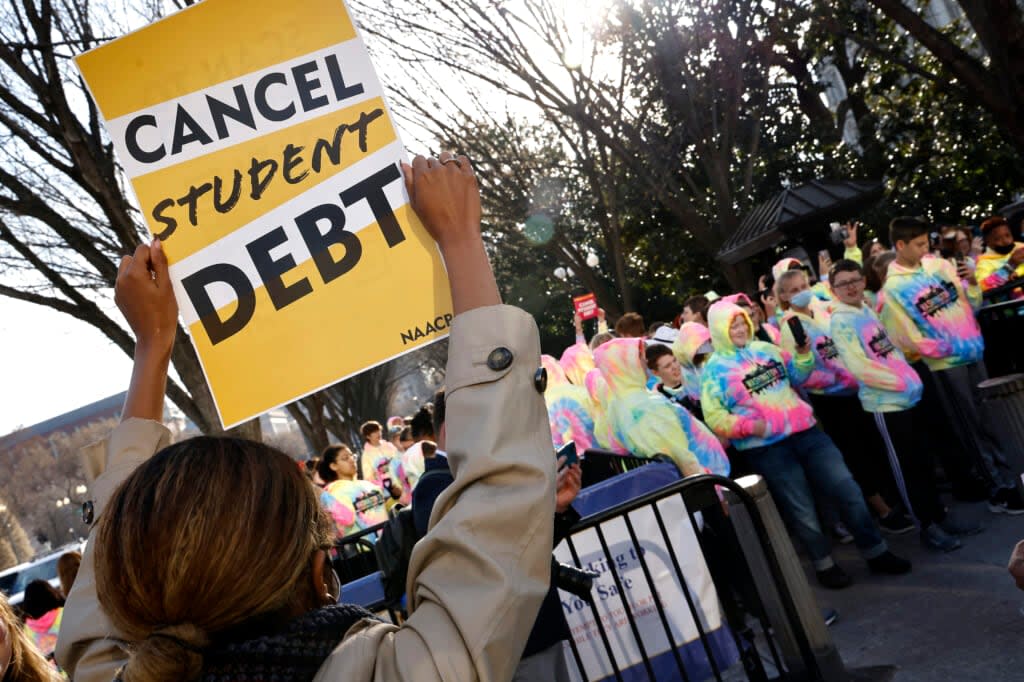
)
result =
(452, 160)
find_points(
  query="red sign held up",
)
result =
(585, 306)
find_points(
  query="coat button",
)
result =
(499, 359)
(540, 380)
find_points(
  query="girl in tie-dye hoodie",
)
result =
(648, 423)
(569, 409)
(353, 504)
(691, 348)
(744, 387)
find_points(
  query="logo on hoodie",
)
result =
(880, 344)
(936, 298)
(827, 348)
(764, 377)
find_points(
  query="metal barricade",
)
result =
(741, 605)
(599, 465)
(354, 557)
(1004, 396)
(1002, 326)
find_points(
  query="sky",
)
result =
(51, 363)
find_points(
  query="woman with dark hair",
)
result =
(208, 559)
(353, 504)
(43, 607)
(875, 270)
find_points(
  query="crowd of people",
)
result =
(845, 388)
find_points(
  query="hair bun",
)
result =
(169, 653)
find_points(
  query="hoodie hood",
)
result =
(577, 360)
(621, 361)
(691, 337)
(556, 375)
(720, 317)
(783, 265)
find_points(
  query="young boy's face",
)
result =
(848, 287)
(913, 251)
(669, 371)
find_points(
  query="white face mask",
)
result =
(801, 299)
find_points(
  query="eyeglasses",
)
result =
(848, 284)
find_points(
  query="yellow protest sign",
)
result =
(262, 153)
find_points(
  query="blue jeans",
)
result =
(805, 459)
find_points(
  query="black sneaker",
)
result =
(1006, 501)
(896, 523)
(834, 578)
(889, 564)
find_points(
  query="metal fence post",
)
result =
(830, 666)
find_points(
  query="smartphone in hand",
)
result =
(569, 452)
(797, 327)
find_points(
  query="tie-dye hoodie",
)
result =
(691, 337)
(355, 505)
(377, 463)
(600, 397)
(887, 381)
(648, 423)
(830, 376)
(569, 409)
(928, 315)
(995, 270)
(743, 385)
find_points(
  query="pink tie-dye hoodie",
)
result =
(600, 397)
(887, 382)
(929, 315)
(692, 336)
(830, 376)
(648, 423)
(569, 409)
(741, 386)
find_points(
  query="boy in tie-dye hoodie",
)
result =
(747, 397)
(832, 391)
(647, 423)
(891, 390)
(929, 315)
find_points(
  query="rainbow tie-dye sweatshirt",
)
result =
(648, 423)
(600, 397)
(741, 386)
(929, 315)
(569, 410)
(693, 338)
(887, 381)
(355, 505)
(995, 270)
(829, 376)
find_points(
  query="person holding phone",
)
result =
(1003, 259)
(890, 390)
(832, 391)
(748, 397)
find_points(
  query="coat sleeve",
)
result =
(89, 647)
(476, 581)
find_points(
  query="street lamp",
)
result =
(561, 273)
(81, 490)
(60, 503)
(592, 260)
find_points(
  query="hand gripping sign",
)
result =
(261, 151)
(585, 306)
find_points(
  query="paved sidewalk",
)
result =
(956, 617)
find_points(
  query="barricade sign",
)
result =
(631, 592)
(585, 306)
(262, 153)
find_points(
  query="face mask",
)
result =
(801, 299)
(1004, 250)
